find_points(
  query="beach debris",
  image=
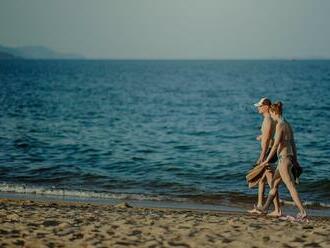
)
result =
(294, 219)
(51, 223)
(13, 217)
(123, 205)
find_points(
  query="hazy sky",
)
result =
(170, 28)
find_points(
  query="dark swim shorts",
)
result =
(274, 159)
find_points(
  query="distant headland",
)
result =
(34, 52)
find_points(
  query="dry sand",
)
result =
(26, 223)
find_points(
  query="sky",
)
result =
(170, 29)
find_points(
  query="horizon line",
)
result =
(85, 57)
(178, 59)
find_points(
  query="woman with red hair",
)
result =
(288, 168)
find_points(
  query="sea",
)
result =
(163, 131)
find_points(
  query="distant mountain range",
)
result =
(34, 52)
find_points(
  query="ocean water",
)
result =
(156, 130)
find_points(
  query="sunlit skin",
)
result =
(284, 166)
(265, 139)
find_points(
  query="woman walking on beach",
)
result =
(285, 148)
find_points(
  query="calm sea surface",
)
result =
(173, 130)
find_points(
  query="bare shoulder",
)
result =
(280, 126)
(290, 126)
(267, 122)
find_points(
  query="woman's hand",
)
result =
(259, 137)
(264, 163)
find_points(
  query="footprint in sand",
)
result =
(298, 239)
(135, 232)
(173, 243)
(19, 242)
(48, 223)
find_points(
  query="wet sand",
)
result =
(26, 223)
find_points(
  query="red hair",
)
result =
(277, 108)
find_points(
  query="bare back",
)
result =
(285, 147)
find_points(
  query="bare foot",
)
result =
(275, 214)
(256, 210)
(253, 211)
(260, 211)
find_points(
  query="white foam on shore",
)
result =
(53, 191)
(23, 189)
(308, 203)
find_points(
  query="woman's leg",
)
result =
(277, 211)
(286, 176)
(273, 192)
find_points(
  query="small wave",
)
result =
(235, 198)
(183, 147)
(227, 198)
(312, 204)
(321, 188)
(53, 191)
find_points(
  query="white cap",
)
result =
(263, 101)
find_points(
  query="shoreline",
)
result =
(238, 207)
(35, 223)
(162, 204)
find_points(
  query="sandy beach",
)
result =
(26, 223)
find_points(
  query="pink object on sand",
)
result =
(295, 219)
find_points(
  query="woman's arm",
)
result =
(278, 137)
